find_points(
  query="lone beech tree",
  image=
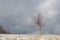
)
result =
(37, 20)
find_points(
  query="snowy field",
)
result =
(28, 37)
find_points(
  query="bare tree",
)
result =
(2, 31)
(38, 22)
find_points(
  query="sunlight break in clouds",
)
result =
(47, 8)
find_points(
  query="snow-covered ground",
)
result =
(28, 37)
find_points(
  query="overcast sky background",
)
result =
(16, 16)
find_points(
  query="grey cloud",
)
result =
(14, 15)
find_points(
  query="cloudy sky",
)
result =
(16, 16)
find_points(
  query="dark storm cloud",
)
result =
(14, 15)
